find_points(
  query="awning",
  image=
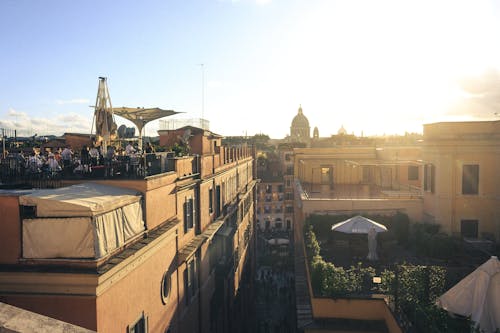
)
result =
(141, 116)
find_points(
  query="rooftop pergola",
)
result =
(141, 116)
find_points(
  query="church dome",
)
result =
(300, 121)
(342, 131)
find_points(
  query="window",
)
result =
(166, 285)
(289, 209)
(470, 179)
(268, 198)
(289, 196)
(325, 175)
(190, 280)
(412, 172)
(188, 214)
(289, 170)
(469, 228)
(280, 188)
(210, 201)
(367, 174)
(140, 326)
(267, 209)
(269, 188)
(429, 178)
(28, 212)
(287, 157)
(288, 224)
(288, 183)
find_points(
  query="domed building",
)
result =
(300, 129)
(342, 131)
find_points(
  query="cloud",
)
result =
(14, 113)
(262, 2)
(26, 125)
(484, 88)
(72, 118)
(72, 101)
(482, 99)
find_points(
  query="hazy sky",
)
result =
(372, 66)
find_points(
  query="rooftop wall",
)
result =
(10, 230)
(458, 130)
(360, 309)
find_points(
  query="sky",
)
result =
(373, 67)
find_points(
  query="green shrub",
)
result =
(401, 227)
(312, 245)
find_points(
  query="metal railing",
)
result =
(15, 169)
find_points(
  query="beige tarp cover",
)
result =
(58, 237)
(87, 199)
(89, 235)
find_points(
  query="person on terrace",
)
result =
(94, 155)
(129, 149)
(53, 164)
(67, 155)
(149, 148)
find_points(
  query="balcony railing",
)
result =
(15, 169)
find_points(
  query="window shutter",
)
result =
(186, 216)
(193, 213)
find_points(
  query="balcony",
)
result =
(360, 191)
(16, 170)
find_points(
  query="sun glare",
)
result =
(391, 66)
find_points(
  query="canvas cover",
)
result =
(58, 238)
(477, 296)
(106, 222)
(87, 199)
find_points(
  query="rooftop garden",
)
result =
(417, 264)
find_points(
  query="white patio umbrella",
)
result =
(478, 296)
(358, 225)
(362, 225)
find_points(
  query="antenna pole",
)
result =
(202, 91)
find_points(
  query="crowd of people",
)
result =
(275, 298)
(274, 283)
(65, 161)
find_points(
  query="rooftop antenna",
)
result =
(202, 91)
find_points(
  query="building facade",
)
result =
(461, 183)
(184, 265)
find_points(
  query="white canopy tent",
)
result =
(477, 296)
(80, 221)
(362, 225)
